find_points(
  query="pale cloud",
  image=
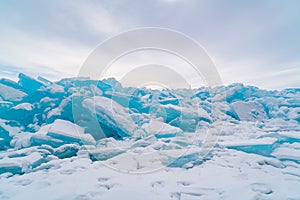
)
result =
(250, 41)
(58, 47)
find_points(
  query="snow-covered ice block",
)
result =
(262, 146)
(19, 112)
(137, 162)
(294, 113)
(59, 133)
(30, 84)
(173, 101)
(182, 116)
(272, 162)
(161, 129)
(112, 115)
(40, 139)
(250, 111)
(187, 125)
(69, 132)
(5, 138)
(20, 165)
(4, 106)
(10, 83)
(23, 106)
(183, 160)
(290, 136)
(3, 142)
(44, 80)
(21, 140)
(4, 133)
(114, 84)
(284, 136)
(125, 100)
(173, 111)
(104, 153)
(144, 142)
(8, 93)
(56, 89)
(66, 151)
(288, 152)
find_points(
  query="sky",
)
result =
(255, 42)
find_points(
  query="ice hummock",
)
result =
(53, 121)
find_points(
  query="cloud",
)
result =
(246, 39)
(55, 46)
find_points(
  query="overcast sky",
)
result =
(255, 42)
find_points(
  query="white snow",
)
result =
(249, 111)
(20, 164)
(287, 153)
(62, 129)
(249, 142)
(161, 129)
(226, 176)
(10, 93)
(23, 106)
(54, 88)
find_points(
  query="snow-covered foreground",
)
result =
(229, 174)
(270, 170)
(88, 139)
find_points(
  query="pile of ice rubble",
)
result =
(42, 122)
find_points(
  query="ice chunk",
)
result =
(69, 132)
(104, 153)
(262, 146)
(161, 129)
(183, 117)
(30, 84)
(136, 162)
(22, 112)
(10, 83)
(226, 108)
(39, 139)
(234, 91)
(183, 160)
(285, 136)
(59, 133)
(21, 140)
(151, 139)
(173, 101)
(125, 100)
(20, 165)
(112, 115)
(8, 93)
(262, 188)
(4, 106)
(272, 162)
(288, 152)
(63, 111)
(294, 113)
(250, 111)
(66, 151)
(44, 80)
(4, 137)
(290, 136)
(54, 88)
(114, 84)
